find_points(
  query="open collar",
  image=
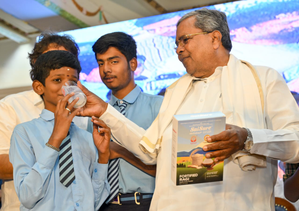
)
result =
(129, 98)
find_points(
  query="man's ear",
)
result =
(217, 36)
(38, 87)
(133, 64)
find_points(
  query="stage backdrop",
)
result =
(263, 33)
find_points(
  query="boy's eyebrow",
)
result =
(73, 76)
(110, 58)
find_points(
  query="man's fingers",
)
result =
(219, 155)
(224, 135)
(217, 146)
(228, 126)
(83, 88)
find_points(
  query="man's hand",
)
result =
(117, 151)
(101, 137)
(94, 106)
(226, 143)
(64, 115)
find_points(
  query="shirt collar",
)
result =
(212, 77)
(47, 115)
(35, 98)
(129, 98)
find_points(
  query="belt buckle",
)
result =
(118, 200)
(135, 195)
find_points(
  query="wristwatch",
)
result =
(249, 141)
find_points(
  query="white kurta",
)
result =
(251, 190)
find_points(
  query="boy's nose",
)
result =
(106, 68)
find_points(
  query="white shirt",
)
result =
(239, 190)
(16, 109)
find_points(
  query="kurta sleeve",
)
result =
(281, 138)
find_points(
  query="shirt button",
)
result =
(77, 204)
(205, 86)
(74, 181)
(121, 102)
(201, 100)
(95, 170)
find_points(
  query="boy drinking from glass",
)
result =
(56, 165)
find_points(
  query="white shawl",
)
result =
(242, 103)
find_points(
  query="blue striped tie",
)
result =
(66, 166)
(113, 171)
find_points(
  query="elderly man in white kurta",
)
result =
(261, 115)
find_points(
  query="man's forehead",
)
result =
(187, 26)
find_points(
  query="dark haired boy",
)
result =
(116, 55)
(56, 165)
(52, 41)
(23, 107)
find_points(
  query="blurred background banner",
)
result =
(263, 33)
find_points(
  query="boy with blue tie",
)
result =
(56, 165)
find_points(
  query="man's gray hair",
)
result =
(211, 20)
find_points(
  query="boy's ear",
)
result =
(133, 64)
(38, 87)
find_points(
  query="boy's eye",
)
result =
(114, 62)
(57, 80)
(100, 64)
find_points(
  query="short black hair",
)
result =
(53, 60)
(47, 38)
(122, 41)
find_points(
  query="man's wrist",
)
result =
(99, 111)
(249, 141)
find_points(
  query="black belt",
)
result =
(130, 197)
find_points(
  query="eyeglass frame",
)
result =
(188, 36)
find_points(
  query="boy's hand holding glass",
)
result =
(64, 115)
(71, 87)
(101, 137)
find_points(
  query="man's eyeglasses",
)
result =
(182, 41)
